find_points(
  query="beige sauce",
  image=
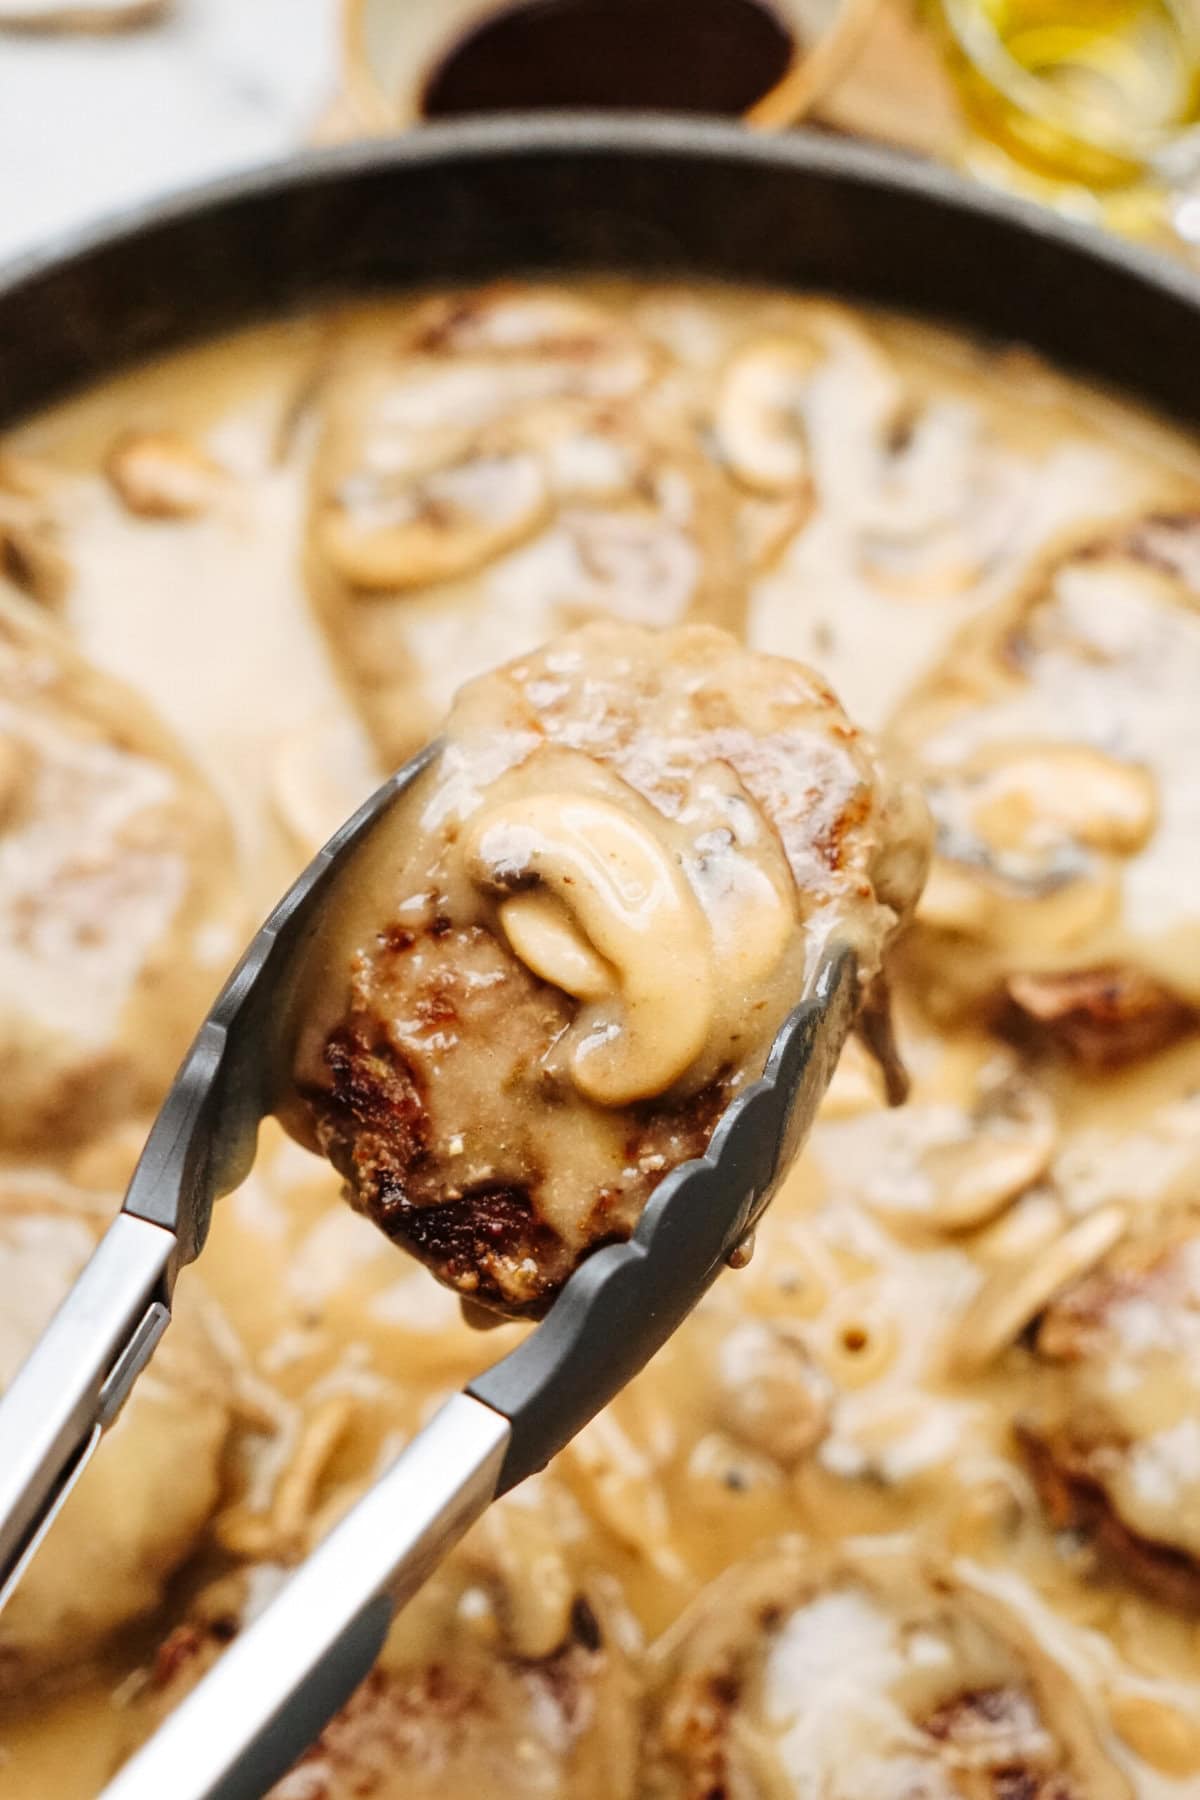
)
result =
(207, 617)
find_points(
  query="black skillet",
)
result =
(647, 194)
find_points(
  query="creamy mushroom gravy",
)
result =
(573, 941)
(863, 1377)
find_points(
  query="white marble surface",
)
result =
(89, 125)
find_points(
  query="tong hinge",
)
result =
(131, 1362)
(76, 1381)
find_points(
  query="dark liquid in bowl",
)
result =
(706, 56)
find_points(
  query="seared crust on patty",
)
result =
(472, 1718)
(574, 941)
(797, 1675)
(1059, 740)
(1112, 1443)
(1102, 1018)
(485, 1238)
(1070, 1480)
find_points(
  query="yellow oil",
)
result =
(1083, 90)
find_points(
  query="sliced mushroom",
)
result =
(529, 344)
(614, 1480)
(944, 1167)
(1164, 1736)
(1059, 742)
(1039, 903)
(1026, 1229)
(31, 553)
(638, 930)
(1011, 1298)
(1029, 838)
(162, 475)
(1007, 1146)
(288, 1527)
(382, 535)
(520, 1548)
(760, 420)
(1027, 814)
(510, 320)
(1096, 799)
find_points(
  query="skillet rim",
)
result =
(607, 134)
(43, 359)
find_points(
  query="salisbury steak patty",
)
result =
(507, 464)
(870, 1679)
(117, 908)
(1112, 1443)
(1059, 741)
(575, 940)
(458, 1715)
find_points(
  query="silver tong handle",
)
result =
(75, 1382)
(296, 1665)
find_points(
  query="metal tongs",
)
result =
(280, 1682)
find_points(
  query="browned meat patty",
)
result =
(795, 1676)
(1059, 741)
(512, 463)
(577, 939)
(1101, 1017)
(1113, 1443)
(486, 1021)
(469, 1717)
